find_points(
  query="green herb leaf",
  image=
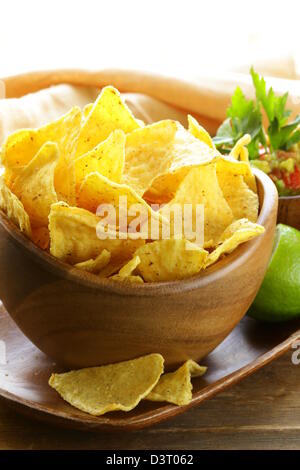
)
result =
(273, 105)
(281, 135)
(284, 137)
(244, 117)
(294, 139)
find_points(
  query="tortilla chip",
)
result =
(87, 109)
(109, 112)
(106, 158)
(199, 132)
(201, 186)
(128, 269)
(41, 237)
(34, 184)
(241, 154)
(97, 190)
(98, 390)
(238, 232)
(240, 151)
(125, 273)
(74, 237)
(163, 188)
(145, 154)
(23, 145)
(158, 157)
(241, 199)
(176, 387)
(169, 260)
(14, 209)
(95, 265)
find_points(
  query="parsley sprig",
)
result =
(244, 116)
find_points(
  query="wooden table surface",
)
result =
(262, 412)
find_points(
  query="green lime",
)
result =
(279, 296)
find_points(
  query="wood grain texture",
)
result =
(81, 320)
(289, 211)
(24, 378)
(262, 412)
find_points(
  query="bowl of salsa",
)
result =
(275, 142)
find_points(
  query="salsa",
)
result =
(283, 168)
(275, 149)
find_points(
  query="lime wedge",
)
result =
(279, 296)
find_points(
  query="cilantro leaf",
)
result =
(244, 117)
(273, 105)
(284, 137)
(294, 139)
(281, 135)
(224, 135)
(240, 106)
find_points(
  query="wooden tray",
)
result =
(24, 379)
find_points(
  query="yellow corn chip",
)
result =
(23, 145)
(96, 190)
(41, 237)
(238, 232)
(163, 188)
(201, 186)
(176, 387)
(108, 113)
(240, 152)
(121, 386)
(128, 269)
(158, 156)
(95, 265)
(107, 158)
(73, 237)
(87, 109)
(113, 268)
(199, 132)
(168, 260)
(34, 184)
(14, 209)
(241, 199)
(125, 273)
(147, 153)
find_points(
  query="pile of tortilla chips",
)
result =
(122, 386)
(57, 176)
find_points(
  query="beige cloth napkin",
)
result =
(35, 109)
(150, 96)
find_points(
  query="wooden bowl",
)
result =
(289, 211)
(80, 320)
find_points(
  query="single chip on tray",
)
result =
(121, 386)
